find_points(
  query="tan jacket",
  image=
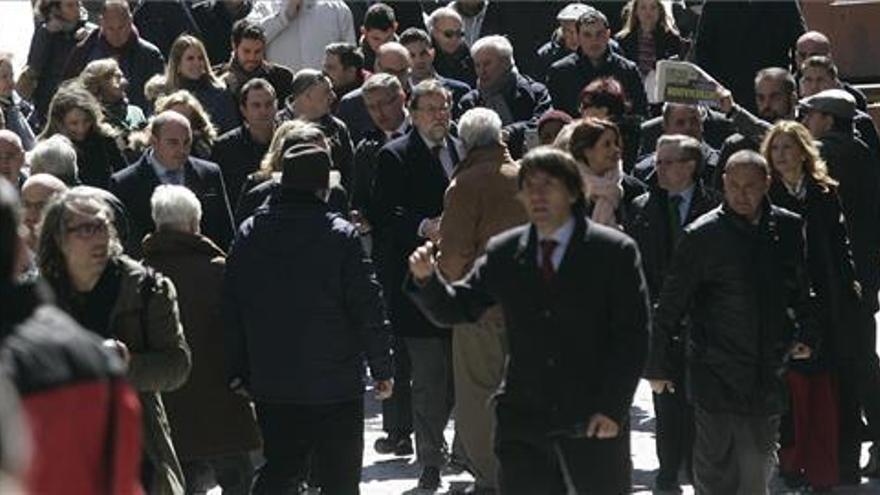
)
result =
(160, 362)
(479, 203)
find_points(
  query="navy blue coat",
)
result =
(303, 306)
(568, 76)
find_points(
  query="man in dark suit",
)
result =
(169, 162)
(675, 199)
(391, 58)
(412, 174)
(576, 313)
(517, 99)
(422, 54)
(568, 76)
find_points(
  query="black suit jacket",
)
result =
(408, 187)
(578, 344)
(134, 186)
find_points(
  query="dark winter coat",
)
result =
(458, 65)
(746, 291)
(527, 99)
(162, 22)
(568, 76)
(218, 102)
(280, 77)
(138, 59)
(830, 267)
(47, 56)
(97, 158)
(207, 419)
(303, 307)
(215, 26)
(667, 44)
(238, 155)
(852, 165)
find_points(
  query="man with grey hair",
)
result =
(517, 99)
(391, 58)
(749, 316)
(676, 198)
(412, 174)
(196, 265)
(453, 58)
(168, 161)
(11, 158)
(481, 201)
(55, 156)
(568, 76)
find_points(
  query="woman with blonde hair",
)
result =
(801, 184)
(77, 115)
(596, 146)
(189, 68)
(104, 79)
(183, 102)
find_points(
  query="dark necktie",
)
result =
(173, 177)
(675, 217)
(435, 152)
(548, 246)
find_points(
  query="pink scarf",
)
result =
(604, 192)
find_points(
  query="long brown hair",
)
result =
(665, 24)
(73, 96)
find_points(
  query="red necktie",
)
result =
(548, 246)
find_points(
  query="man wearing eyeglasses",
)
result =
(412, 174)
(675, 199)
(391, 58)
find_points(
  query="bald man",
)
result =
(36, 193)
(168, 161)
(814, 43)
(391, 58)
(11, 157)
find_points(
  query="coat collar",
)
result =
(176, 243)
(527, 246)
(491, 155)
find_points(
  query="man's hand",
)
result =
(726, 103)
(801, 351)
(360, 222)
(384, 389)
(602, 427)
(119, 348)
(660, 386)
(421, 262)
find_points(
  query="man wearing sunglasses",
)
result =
(453, 58)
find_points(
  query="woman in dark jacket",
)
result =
(76, 114)
(596, 146)
(189, 68)
(136, 309)
(801, 184)
(649, 35)
(53, 40)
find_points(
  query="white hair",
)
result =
(442, 13)
(176, 208)
(55, 156)
(496, 42)
(479, 127)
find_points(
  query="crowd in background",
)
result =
(219, 217)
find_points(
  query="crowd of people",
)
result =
(223, 221)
